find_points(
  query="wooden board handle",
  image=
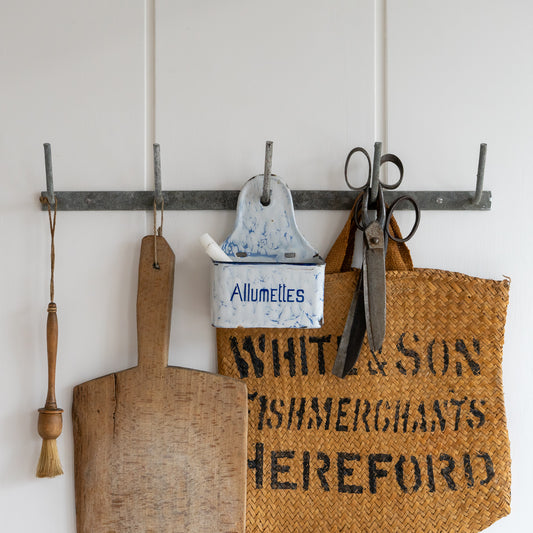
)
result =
(154, 303)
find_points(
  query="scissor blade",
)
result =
(374, 287)
(353, 334)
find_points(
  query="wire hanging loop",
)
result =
(158, 232)
(265, 197)
(52, 221)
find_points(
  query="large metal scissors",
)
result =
(368, 308)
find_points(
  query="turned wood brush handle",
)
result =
(51, 346)
(50, 418)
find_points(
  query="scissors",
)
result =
(368, 308)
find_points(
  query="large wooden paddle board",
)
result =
(158, 448)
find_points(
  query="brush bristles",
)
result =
(49, 463)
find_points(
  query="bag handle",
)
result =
(339, 258)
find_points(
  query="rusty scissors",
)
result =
(368, 308)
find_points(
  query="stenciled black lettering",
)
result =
(408, 353)
(306, 470)
(242, 365)
(257, 464)
(318, 419)
(276, 468)
(431, 476)
(303, 356)
(262, 411)
(387, 421)
(460, 346)
(438, 411)
(278, 414)
(321, 472)
(316, 409)
(291, 412)
(477, 413)
(376, 417)
(469, 475)
(445, 357)
(398, 467)
(374, 473)
(489, 467)
(458, 404)
(422, 423)
(396, 416)
(327, 408)
(341, 414)
(291, 356)
(275, 358)
(447, 470)
(381, 365)
(356, 413)
(364, 416)
(344, 471)
(405, 416)
(300, 413)
(320, 341)
(258, 365)
(378, 412)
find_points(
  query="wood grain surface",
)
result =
(159, 448)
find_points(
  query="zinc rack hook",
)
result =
(49, 195)
(265, 197)
(375, 173)
(480, 173)
(158, 196)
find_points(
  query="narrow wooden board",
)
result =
(159, 448)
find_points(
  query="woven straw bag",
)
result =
(414, 439)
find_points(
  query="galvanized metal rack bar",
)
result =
(477, 200)
(227, 200)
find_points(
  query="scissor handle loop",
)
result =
(391, 211)
(365, 153)
(385, 158)
(395, 160)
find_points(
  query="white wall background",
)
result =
(211, 81)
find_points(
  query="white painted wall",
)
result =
(211, 81)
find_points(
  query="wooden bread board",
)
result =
(159, 448)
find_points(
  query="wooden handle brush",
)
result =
(50, 421)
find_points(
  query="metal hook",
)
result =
(265, 197)
(49, 173)
(480, 173)
(374, 186)
(158, 197)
